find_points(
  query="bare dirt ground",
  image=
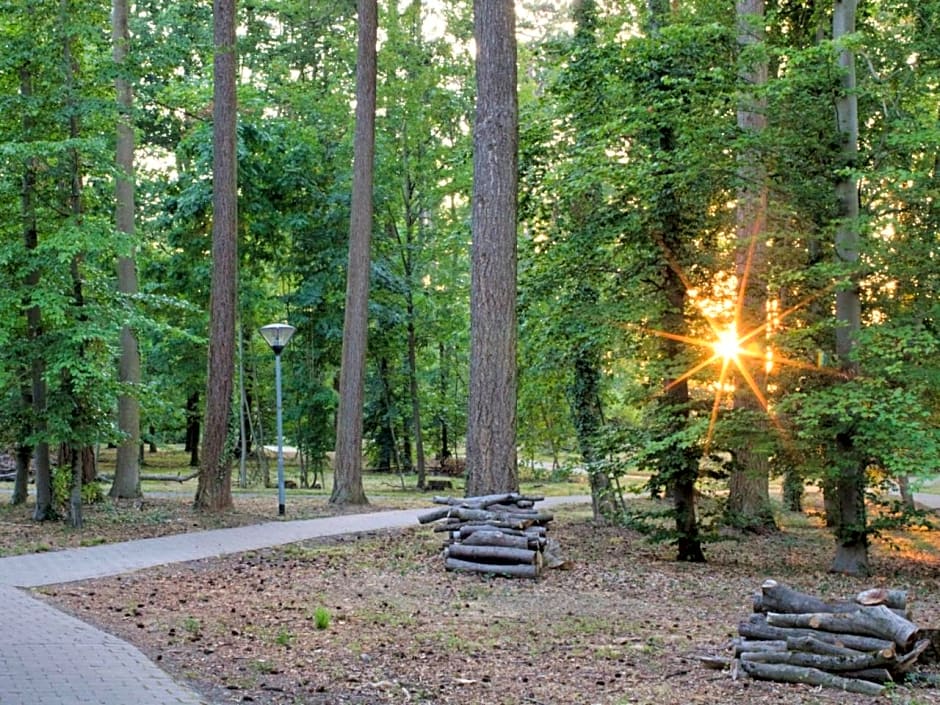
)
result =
(624, 624)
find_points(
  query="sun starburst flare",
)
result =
(737, 353)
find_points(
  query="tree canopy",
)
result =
(629, 216)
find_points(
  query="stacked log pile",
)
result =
(500, 534)
(859, 645)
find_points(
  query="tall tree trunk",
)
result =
(23, 457)
(748, 505)
(347, 476)
(678, 463)
(588, 418)
(127, 470)
(443, 442)
(82, 461)
(491, 416)
(192, 429)
(851, 532)
(37, 386)
(415, 398)
(407, 248)
(681, 463)
(585, 354)
(214, 490)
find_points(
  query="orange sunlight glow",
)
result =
(730, 349)
(727, 344)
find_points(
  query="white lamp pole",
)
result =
(277, 335)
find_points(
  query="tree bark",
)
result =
(347, 476)
(214, 490)
(775, 597)
(127, 469)
(851, 555)
(748, 505)
(192, 429)
(783, 673)
(492, 554)
(43, 509)
(824, 662)
(756, 627)
(81, 425)
(678, 463)
(586, 351)
(491, 416)
(895, 599)
(509, 571)
(878, 621)
(23, 457)
(24, 452)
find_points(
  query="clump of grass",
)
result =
(321, 618)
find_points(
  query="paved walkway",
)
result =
(50, 658)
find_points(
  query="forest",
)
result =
(722, 268)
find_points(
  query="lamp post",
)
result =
(277, 335)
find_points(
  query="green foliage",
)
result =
(321, 618)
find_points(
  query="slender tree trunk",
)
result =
(23, 457)
(347, 477)
(748, 505)
(406, 248)
(585, 354)
(852, 531)
(37, 385)
(682, 463)
(491, 417)
(192, 429)
(127, 470)
(415, 398)
(82, 455)
(444, 443)
(243, 442)
(214, 491)
(678, 464)
(588, 417)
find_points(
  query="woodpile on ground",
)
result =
(859, 645)
(500, 534)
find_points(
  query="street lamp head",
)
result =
(277, 335)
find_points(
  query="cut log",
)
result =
(775, 597)
(491, 554)
(497, 538)
(878, 621)
(873, 675)
(813, 645)
(484, 501)
(755, 645)
(476, 502)
(784, 673)
(484, 516)
(823, 662)
(470, 529)
(511, 571)
(715, 663)
(896, 599)
(434, 515)
(756, 627)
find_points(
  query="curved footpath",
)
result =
(50, 658)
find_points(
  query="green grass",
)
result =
(172, 461)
